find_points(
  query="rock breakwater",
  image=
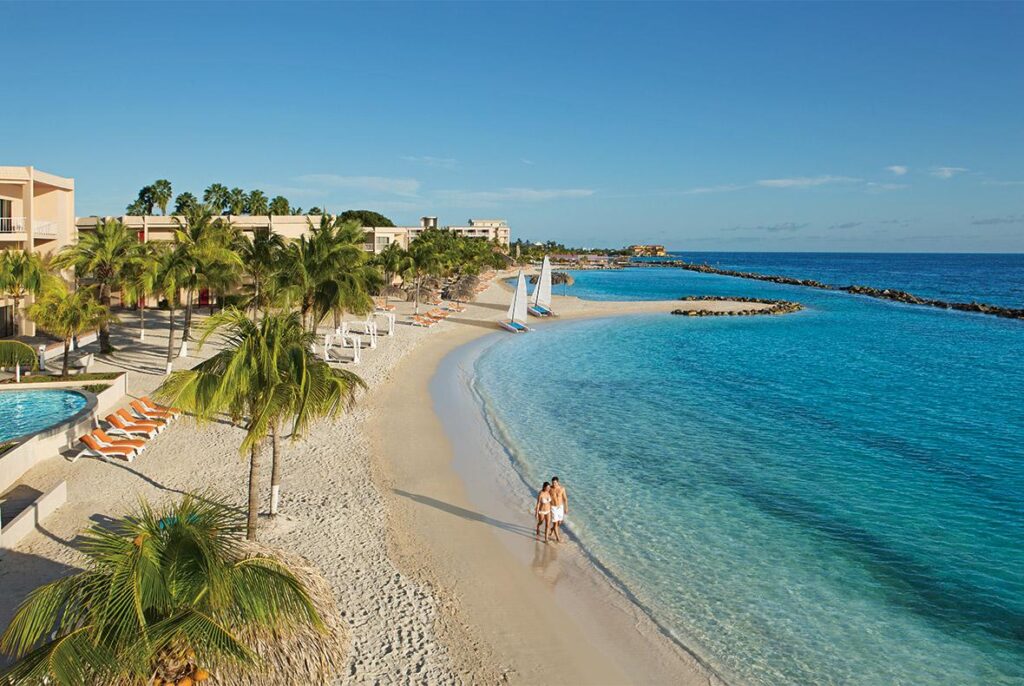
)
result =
(869, 291)
(775, 306)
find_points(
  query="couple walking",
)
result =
(551, 508)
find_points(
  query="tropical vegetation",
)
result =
(167, 596)
(68, 314)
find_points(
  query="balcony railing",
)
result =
(12, 224)
(47, 229)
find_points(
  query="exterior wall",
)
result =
(32, 516)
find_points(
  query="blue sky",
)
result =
(732, 126)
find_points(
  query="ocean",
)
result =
(834, 496)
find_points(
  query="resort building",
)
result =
(647, 250)
(37, 212)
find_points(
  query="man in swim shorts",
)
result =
(559, 506)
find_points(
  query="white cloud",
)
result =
(527, 162)
(428, 161)
(374, 184)
(805, 181)
(874, 186)
(947, 172)
(898, 169)
(509, 195)
(724, 188)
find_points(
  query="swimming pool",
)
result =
(27, 412)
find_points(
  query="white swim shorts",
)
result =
(557, 513)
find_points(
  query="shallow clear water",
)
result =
(25, 412)
(830, 497)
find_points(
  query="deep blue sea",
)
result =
(830, 497)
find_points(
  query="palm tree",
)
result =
(172, 270)
(22, 273)
(205, 241)
(280, 205)
(424, 260)
(138, 278)
(257, 203)
(162, 194)
(101, 255)
(165, 597)
(264, 375)
(260, 257)
(17, 354)
(216, 196)
(393, 262)
(236, 201)
(184, 202)
(68, 314)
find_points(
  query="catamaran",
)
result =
(517, 310)
(541, 306)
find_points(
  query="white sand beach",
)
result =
(434, 587)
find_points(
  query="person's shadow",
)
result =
(466, 514)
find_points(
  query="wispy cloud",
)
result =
(373, 184)
(993, 182)
(467, 198)
(897, 169)
(527, 162)
(846, 225)
(805, 181)
(878, 187)
(897, 222)
(724, 188)
(782, 227)
(1006, 219)
(947, 172)
(436, 162)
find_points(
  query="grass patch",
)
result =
(47, 378)
(4, 447)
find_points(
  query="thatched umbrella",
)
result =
(464, 289)
(301, 656)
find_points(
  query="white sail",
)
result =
(517, 310)
(542, 293)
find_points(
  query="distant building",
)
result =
(647, 250)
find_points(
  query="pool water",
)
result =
(26, 412)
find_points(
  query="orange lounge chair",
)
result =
(146, 413)
(92, 447)
(157, 424)
(148, 402)
(121, 426)
(109, 441)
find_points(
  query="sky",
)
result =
(730, 126)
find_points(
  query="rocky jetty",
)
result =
(775, 306)
(869, 291)
(557, 278)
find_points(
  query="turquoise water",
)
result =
(830, 497)
(25, 412)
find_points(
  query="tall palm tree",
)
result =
(261, 256)
(162, 194)
(101, 255)
(424, 260)
(216, 196)
(393, 261)
(138, 278)
(172, 271)
(265, 374)
(164, 597)
(184, 202)
(236, 200)
(205, 240)
(22, 273)
(257, 203)
(68, 314)
(280, 205)
(17, 354)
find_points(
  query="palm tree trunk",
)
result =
(105, 347)
(186, 332)
(254, 495)
(64, 366)
(17, 316)
(170, 337)
(417, 311)
(142, 318)
(275, 470)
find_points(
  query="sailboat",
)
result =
(517, 310)
(541, 305)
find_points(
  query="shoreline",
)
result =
(458, 520)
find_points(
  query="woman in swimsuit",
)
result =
(543, 510)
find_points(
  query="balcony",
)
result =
(13, 229)
(41, 229)
(12, 225)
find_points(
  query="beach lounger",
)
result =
(94, 449)
(148, 402)
(132, 419)
(119, 425)
(109, 441)
(423, 321)
(146, 413)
